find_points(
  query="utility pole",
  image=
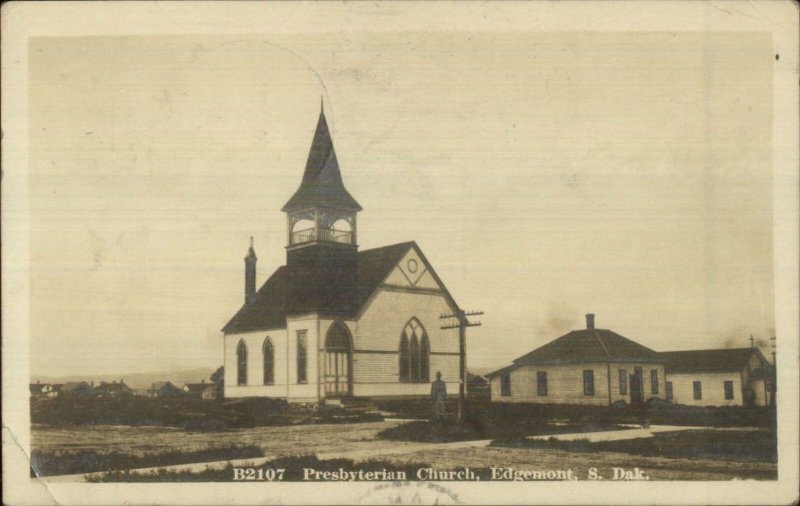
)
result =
(462, 325)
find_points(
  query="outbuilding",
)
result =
(718, 377)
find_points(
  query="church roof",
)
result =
(586, 345)
(271, 304)
(322, 184)
(719, 360)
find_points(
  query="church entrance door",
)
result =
(338, 355)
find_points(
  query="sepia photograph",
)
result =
(400, 253)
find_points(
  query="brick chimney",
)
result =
(590, 321)
(250, 275)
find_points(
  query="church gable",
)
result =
(412, 271)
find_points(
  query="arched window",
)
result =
(269, 362)
(414, 352)
(241, 363)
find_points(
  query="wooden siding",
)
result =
(565, 383)
(284, 342)
(712, 388)
(376, 342)
(400, 389)
(380, 326)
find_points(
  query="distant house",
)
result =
(164, 389)
(44, 390)
(476, 383)
(721, 377)
(202, 390)
(113, 390)
(587, 366)
(76, 389)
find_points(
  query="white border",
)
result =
(21, 20)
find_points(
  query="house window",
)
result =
(414, 353)
(269, 362)
(541, 383)
(654, 381)
(698, 390)
(302, 377)
(728, 390)
(505, 385)
(241, 363)
(623, 382)
(588, 382)
(669, 390)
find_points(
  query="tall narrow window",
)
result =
(301, 357)
(241, 363)
(424, 359)
(505, 385)
(414, 353)
(669, 390)
(404, 358)
(623, 382)
(654, 381)
(728, 385)
(541, 383)
(269, 362)
(698, 390)
(413, 371)
(588, 382)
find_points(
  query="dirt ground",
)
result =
(275, 441)
(355, 438)
(656, 468)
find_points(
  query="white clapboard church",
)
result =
(335, 321)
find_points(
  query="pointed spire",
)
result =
(322, 182)
(321, 105)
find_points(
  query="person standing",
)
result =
(439, 397)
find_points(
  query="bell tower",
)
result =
(321, 250)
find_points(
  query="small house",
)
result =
(164, 389)
(44, 390)
(202, 390)
(76, 389)
(718, 377)
(113, 390)
(586, 366)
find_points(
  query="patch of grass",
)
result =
(728, 445)
(487, 413)
(87, 461)
(187, 413)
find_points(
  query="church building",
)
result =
(335, 321)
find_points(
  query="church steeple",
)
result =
(321, 251)
(322, 184)
(321, 210)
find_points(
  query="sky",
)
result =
(544, 175)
